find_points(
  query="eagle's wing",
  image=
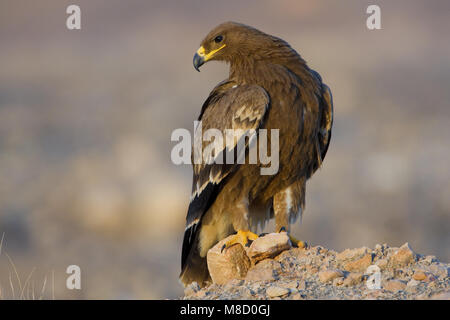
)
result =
(325, 121)
(228, 107)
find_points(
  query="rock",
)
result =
(329, 275)
(275, 291)
(411, 286)
(382, 263)
(316, 273)
(338, 281)
(298, 296)
(311, 269)
(351, 254)
(394, 285)
(293, 253)
(430, 259)
(360, 264)
(232, 263)
(352, 279)
(403, 256)
(412, 283)
(421, 275)
(440, 270)
(268, 269)
(290, 285)
(192, 289)
(302, 285)
(268, 246)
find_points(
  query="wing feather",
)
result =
(241, 108)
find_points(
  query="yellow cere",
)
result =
(201, 52)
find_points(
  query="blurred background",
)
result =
(86, 118)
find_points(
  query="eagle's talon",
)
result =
(245, 238)
(298, 243)
(295, 242)
(262, 234)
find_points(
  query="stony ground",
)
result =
(320, 273)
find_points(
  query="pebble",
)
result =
(440, 270)
(329, 275)
(382, 263)
(360, 264)
(353, 278)
(338, 281)
(276, 291)
(350, 254)
(394, 285)
(403, 256)
(419, 275)
(265, 270)
(412, 283)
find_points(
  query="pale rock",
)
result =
(298, 296)
(338, 281)
(351, 254)
(412, 283)
(411, 286)
(440, 270)
(382, 263)
(268, 246)
(352, 279)
(359, 265)
(403, 256)
(330, 275)
(231, 263)
(430, 259)
(292, 253)
(290, 285)
(302, 285)
(394, 285)
(275, 291)
(268, 269)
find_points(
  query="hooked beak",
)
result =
(198, 61)
(200, 57)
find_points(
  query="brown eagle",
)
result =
(269, 86)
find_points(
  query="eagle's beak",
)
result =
(199, 60)
(200, 57)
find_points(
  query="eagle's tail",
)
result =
(195, 267)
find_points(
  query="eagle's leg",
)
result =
(288, 207)
(240, 223)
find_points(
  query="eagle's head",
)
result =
(231, 41)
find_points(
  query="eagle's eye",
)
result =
(218, 39)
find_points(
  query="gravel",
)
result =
(320, 273)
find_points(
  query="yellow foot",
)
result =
(295, 242)
(241, 237)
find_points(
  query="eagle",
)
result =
(269, 86)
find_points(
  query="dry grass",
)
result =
(17, 289)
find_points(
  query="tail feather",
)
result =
(195, 267)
